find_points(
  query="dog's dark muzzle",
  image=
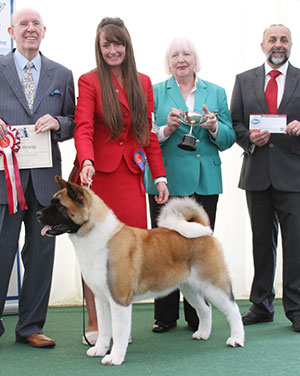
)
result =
(51, 228)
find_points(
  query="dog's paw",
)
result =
(112, 360)
(201, 335)
(97, 351)
(235, 342)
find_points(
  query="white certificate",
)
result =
(271, 123)
(35, 149)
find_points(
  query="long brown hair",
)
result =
(113, 29)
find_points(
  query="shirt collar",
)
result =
(282, 69)
(22, 60)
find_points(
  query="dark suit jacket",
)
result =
(54, 96)
(278, 162)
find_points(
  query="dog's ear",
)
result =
(75, 192)
(60, 182)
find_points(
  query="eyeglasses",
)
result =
(24, 24)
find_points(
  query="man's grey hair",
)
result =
(264, 33)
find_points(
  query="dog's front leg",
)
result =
(121, 328)
(104, 327)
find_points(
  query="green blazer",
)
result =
(197, 171)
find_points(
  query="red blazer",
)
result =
(91, 135)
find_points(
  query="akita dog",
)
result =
(122, 264)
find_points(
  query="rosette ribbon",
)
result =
(9, 146)
(140, 159)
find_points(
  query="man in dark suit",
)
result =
(52, 109)
(271, 173)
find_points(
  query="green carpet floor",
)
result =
(271, 349)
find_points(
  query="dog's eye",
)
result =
(61, 208)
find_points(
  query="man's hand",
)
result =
(293, 128)
(46, 123)
(260, 138)
(3, 130)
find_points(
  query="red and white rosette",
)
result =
(8, 147)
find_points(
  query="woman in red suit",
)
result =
(113, 128)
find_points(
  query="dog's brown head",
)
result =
(68, 210)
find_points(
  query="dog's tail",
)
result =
(185, 216)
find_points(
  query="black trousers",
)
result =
(267, 210)
(166, 309)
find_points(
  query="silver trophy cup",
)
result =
(192, 119)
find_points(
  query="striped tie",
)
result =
(28, 85)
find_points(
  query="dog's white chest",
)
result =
(92, 253)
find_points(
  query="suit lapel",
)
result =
(121, 92)
(46, 77)
(259, 83)
(11, 75)
(200, 96)
(178, 100)
(175, 95)
(291, 83)
(200, 100)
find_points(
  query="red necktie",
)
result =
(271, 92)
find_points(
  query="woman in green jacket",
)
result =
(194, 173)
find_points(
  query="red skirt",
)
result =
(123, 192)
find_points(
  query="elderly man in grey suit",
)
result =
(271, 172)
(50, 109)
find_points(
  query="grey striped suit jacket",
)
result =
(54, 96)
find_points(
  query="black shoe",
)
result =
(251, 317)
(2, 329)
(193, 326)
(160, 327)
(296, 323)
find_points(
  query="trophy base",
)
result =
(188, 142)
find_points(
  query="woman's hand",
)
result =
(163, 193)
(211, 123)
(174, 121)
(87, 172)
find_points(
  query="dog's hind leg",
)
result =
(121, 329)
(104, 327)
(203, 309)
(226, 304)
